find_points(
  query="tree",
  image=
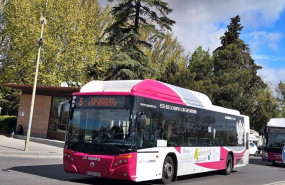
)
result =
(70, 36)
(266, 108)
(232, 35)
(201, 67)
(164, 51)
(9, 101)
(235, 81)
(131, 18)
(280, 89)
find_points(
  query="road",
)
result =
(34, 171)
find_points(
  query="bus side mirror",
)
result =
(142, 121)
(60, 107)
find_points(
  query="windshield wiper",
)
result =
(113, 146)
(75, 144)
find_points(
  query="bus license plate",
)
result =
(95, 174)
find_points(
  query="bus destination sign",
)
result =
(99, 101)
(276, 130)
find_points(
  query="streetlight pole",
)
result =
(43, 22)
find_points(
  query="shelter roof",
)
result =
(45, 90)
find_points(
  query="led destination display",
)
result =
(100, 101)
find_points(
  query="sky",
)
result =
(203, 22)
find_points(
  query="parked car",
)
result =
(253, 149)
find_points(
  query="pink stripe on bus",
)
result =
(156, 90)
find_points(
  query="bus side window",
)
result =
(190, 131)
(158, 131)
(173, 133)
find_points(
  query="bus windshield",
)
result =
(100, 131)
(276, 140)
(276, 137)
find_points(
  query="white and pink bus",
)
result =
(141, 130)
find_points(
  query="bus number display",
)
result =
(102, 102)
(99, 101)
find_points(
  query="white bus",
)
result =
(141, 130)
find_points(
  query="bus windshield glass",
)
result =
(276, 137)
(103, 131)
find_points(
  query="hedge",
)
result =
(8, 123)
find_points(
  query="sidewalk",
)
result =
(16, 147)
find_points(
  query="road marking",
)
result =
(276, 183)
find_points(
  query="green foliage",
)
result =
(200, 66)
(132, 17)
(232, 35)
(9, 101)
(164, 53)
(124, 68)
(280, 89)
(266, 108)
(7, 123)
(70, 35)
(281, 113)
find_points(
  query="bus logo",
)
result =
(92, 164)
(240, 131)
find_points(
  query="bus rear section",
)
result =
(274, 134)
(147, 130)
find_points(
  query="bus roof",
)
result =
(276, 122)
(155, 90)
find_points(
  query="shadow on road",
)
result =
(56, 172)
(11, 148)
(201, 175)
(258, 161)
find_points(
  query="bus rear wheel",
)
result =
(229, 165)
(167, 170)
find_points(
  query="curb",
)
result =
(31, 154)
(42, 141)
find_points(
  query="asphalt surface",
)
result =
(16, 147)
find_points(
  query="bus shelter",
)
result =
(46, 123)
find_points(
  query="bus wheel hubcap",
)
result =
(168, 170)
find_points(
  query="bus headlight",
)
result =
(265, 155)
(122, 160)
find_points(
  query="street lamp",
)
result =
(43, 22)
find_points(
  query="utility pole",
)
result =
(43, 22)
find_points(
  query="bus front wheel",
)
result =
(167, 170)
(229, 165)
